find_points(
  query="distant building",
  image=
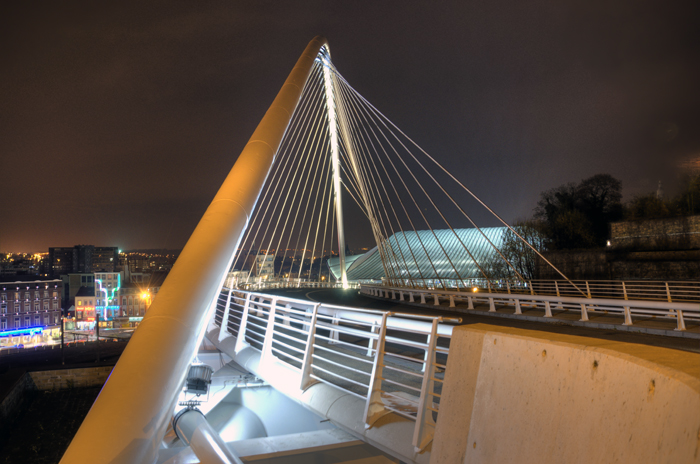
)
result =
(107, 287)
(136, 298)
(30, 311)
(60, 261)
(264, 267)
(85, 308)
(71, 285)
(81, 259)
(105, 259)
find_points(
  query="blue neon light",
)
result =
(27, 331)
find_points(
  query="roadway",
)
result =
(354, 299)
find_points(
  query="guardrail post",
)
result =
(410, 297)
(556, 286)
(470, 303)
(401, 295)
(547, 309)
(588, 290)
(269, 332)
(436, 300)
(681, 321)
(393, 294)
(517, 307)
(452, 301)
(306, 380)
(240, 337)
(532, 290)
(668, 293)
(334, 335)
(584, 313)
(422, 298)
(624, 290)
(287, 318)
(224, 319)
(508, 286)
(628, 316)
(425, 424)
(374, 407)
(372, 344)
(492, 306)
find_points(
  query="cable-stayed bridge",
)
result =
(380, 376)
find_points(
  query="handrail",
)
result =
(671, 291)
(130, 416)
(387, 381)
(627, 307)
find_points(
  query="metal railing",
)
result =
(284, 284)
(394, 362)
(653, 290)
(626, 307)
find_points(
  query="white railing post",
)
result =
(517, 306)
(584, 313)
(372, 344)
(422, 298)
(240, 338)
(401, 296)
(374, 406)
(224, 320)
(668, 293)
(452, 301)
(436, 300)
(624, 290)
(547, 309)
(681, 321)
(334, 334)
(410, 297)
(470, 303)
(556, 286)
(306, 380)
(492, 306)
(628, 316)
(425, 424)
(588, 290)
(269, 332)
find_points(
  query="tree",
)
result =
(578, 215)
(518, 253)
(647, 206)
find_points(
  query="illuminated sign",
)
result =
(28, 331)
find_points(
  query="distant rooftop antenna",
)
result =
(660, 192)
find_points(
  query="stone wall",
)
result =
(28, 383)
(680, 233)
(70, 378)
(603, 264)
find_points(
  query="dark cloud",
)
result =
(119, 120)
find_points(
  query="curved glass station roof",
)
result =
(426, 254)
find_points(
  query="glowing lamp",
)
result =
(475, 289)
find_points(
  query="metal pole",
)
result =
(333, 129)
(63, 323)
(128, 421)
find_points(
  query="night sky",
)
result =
(119, 120)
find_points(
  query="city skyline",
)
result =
(121, 121)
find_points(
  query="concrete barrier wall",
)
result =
(530, 397)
